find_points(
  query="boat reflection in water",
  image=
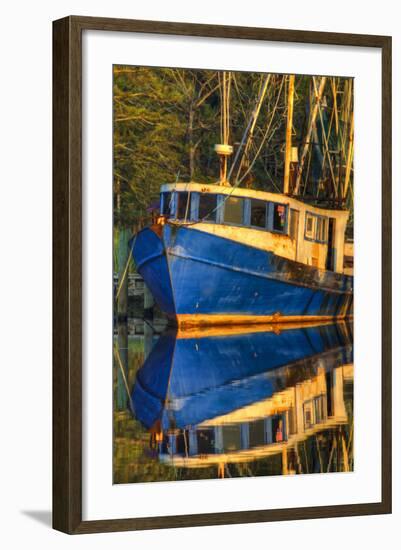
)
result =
(234, 399)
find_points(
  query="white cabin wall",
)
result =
(281, 245)
(308, 252)
(349, 251)
(339, 244)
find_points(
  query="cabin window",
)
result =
(316, 227)
(308, 415)
(292, 425)
(257, 433)
(233, 210)
(206, 441)
(166, 204)
(183, 209)
(258, 213)
(310, 226)
(321, 229)
(320, 409)
(207, 207)
(279, 217)
(278, 429)
(181, 443)
(231, 437)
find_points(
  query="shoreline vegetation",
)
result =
(167, 121)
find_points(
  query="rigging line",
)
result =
(307, 175)
(335, 106)
(224, 108)
(319, 454)
(252, 128)
(120, 364)
(147, 322)
(312, 118)
(350, 156)
(346, 112)
(239, 95)
(333, 448)
(350, 438)
(254, 114)
(126, 268)
(265, 135)
(228, 105)
(325, 140)
(187, 205)
(221, 110)
(252, 121)
(226, 197)
(271, 180)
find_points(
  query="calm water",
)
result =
(233, 402)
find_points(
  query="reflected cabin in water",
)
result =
(224, 255)
(260, 393)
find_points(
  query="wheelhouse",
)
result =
(276, 222)
(187, 206)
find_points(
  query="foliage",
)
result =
(167, 121)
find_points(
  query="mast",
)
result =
(312, 121)
(223, 149)
(288, 134)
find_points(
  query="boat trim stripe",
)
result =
(199, 319)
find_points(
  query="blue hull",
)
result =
(186, 381)
(195, 274)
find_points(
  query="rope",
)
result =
(120, 364)
(253, 118)
(120, 284)
(252, 121)
(264, 137)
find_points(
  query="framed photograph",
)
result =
(222, 275)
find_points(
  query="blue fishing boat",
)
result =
(223, 253)
(259, 390)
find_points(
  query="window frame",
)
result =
(317, 218)
(163, 203)
(216, 208)
(266, 203)
(177, 205)
(270, 221)
(243, 210)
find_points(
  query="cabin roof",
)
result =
(253, 194)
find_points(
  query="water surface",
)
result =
(232, 402)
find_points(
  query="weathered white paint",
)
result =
(299, 249)
(294, 398)
(349, 251)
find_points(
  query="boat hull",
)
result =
(236, 370)
(199, 278)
